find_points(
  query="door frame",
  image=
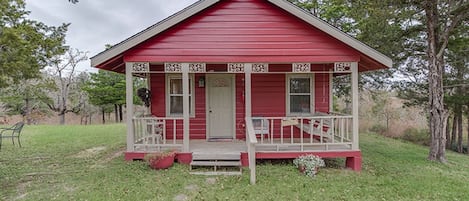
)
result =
(232, 77)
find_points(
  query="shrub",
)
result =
(417, 136)
(309, 164)
(378, 128)
(454, 147)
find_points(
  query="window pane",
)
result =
(175, 86)
(300, 104)
(176, 105)
(299, 85)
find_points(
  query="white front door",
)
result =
(220, 106)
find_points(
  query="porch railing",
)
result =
(322, 132)
(157, 133)
(251, 142)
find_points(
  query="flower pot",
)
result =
(162, 163)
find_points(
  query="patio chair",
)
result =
(12, 132)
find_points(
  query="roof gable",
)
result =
(204, 28)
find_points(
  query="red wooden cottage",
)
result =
(246, 79)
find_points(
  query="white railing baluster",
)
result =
(291, 134)
(150, 133)
(328, 129)
(281, 132)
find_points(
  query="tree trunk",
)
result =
(120, 113)
(467, 148)
(104, 116)
(62, 118)
(460, 129)
(454, 130)
(27, 111)
(448, 133)
(437, 111)
(116, 113)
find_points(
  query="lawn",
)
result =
(86, 163)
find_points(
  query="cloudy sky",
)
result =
(95, 23)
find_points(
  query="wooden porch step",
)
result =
(231, 173)
(216, 156)
(216, 163)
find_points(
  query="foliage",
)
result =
(28, 98)
(26, 45)
(310, 163)
(378, 128)
(417, 136)
(106, 88)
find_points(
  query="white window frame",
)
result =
(168, 78)
(311, 94)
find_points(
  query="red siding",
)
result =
(242, 31)
(240, 107)
(268, 95)
(321, 92)
(158, 98)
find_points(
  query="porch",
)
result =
(328, 136)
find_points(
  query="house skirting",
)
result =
(353, 159)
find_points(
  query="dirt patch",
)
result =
(108, 158)
(211, 180)
(113, 155)
(22, 192)
(88, 153)
(181, 197)
(191, 187)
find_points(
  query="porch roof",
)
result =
(346, 48)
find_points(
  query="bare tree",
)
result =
(64, 68)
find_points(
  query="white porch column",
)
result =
(247, 89)
(185, 106)
(355, 99)
(129, 106)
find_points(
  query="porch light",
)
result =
(202, 82)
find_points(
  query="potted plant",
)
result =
(160, 160)
(309, 164)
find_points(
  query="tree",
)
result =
(107, 88)
(25, 45)
(441, 18)
(27, 98)
(64, 70)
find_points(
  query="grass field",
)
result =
(86, 163)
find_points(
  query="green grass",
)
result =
(80, 163)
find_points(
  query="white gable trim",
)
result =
(333, 31)
(151, 31)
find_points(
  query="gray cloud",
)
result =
(95, 23)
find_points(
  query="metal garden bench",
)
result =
(12, 132)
